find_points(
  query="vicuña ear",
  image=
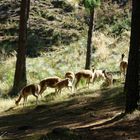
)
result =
(103, 71)
(123, 55)
(93, 69)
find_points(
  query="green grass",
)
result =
(67, 58)
(69, 51)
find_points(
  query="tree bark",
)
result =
(28, 9)
(132, 89)
(89, 40)
(20, 79)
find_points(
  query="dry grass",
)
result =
(84, 112)
(109, 49)
(68, 58)
(5, 104)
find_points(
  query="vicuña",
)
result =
(32, 89)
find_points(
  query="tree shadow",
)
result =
(106, 123)
(76, 113)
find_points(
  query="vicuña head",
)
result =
(70, 75)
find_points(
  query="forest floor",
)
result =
(85, 115)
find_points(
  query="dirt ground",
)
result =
(86, 115)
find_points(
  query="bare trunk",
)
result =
(20, 71)
(89, 41)
(132, 77)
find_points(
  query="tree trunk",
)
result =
(20, 71)
(89, 40)
(132, 77)
(28, 9)
(28, 13)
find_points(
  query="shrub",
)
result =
(33, 45)
(112, 19)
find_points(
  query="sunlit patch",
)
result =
(6, 104)
(134, 115)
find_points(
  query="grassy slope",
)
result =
(88, 114)
(73, 58)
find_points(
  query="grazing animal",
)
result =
(108, 78)
(26, 91)
(98, 74)
(123, 67)
(85, 74)
(62, 84)
(49, 82)
(70, 75)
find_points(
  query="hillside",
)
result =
(57, 44)
(49, 25)
(53, 31)
(58, 24)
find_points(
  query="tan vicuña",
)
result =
(32, 89)
(123, 67)
(48, 82)
(86, 75)
(65, 83)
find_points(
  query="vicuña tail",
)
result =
(18, 100)
(122, 57)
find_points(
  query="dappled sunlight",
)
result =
(94, 108)
(6, 104)
(134, 115)
(57, 42)
(100, 122)
(55, 64)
